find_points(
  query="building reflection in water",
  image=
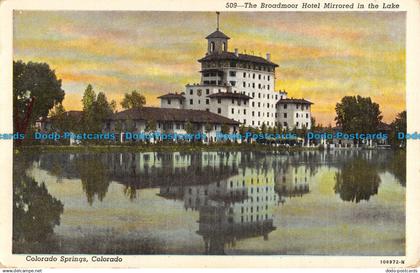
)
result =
(234, 193)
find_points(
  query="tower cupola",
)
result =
(217, 41)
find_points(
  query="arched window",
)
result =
(224, 46)
(211, 46)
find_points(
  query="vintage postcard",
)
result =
(218, 134)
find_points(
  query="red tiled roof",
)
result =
(300, 101)
(172, 114)
(172, 96)
(229, 95)
(239, 57)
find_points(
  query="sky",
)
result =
(321, 56)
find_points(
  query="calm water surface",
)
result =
(312, 202)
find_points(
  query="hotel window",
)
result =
(207, 101)
(252, 123)
(191, 101)
(307, 125)
(253, 113)
(199, 101)
(259, 86)
(169, 101)
(244, 74)
(233, 101)
(259, 123)
(297, 115)
(233, 83)
(276, 117)
(259, 116)
(307, 115)
(219, 100)
(268, 114)
(207, 109)
(207, 91)
(244, 102)
(180, 102)
(253, 104)
(253, 75)
(297, 124)
(232, 73)
(244, 111)
(285, 106)
(268, 77)
(253, 85)
(191, 91)
(244, 121)
(219, 110)
(297, 106)
(285, 115)
(259, 76)
(253, 94)
(244, 84)
(259, 104)
(285, 124)
(268, 87)
(276, 97)
(233, 111)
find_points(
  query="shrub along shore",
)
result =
(185, 147)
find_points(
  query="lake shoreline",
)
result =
(163, 148)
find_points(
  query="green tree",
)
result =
(95, 110)
(356, 114)
(398, 125)
(36, 90)
(150, 126)
(263, 128)
(225, 129)
(189, 128)
(62, 122)
(133, 100)
(89, 97)
(208, 128)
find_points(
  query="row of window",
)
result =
(251, 66)
(259, 95)
(249, 75)
(297, 115)
(302, 106)
(260, 86)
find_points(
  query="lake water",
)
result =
(344, 202)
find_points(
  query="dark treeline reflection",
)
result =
(35, 211)
(357, 180)
(234, 193)
(93, 174)
(147, 170)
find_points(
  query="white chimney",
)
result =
(236, 52)
(268, 56)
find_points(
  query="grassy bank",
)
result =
(158, 148)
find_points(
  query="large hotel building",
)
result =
(240, 87)
(235, 89)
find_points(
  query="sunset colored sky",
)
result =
(321, 56)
